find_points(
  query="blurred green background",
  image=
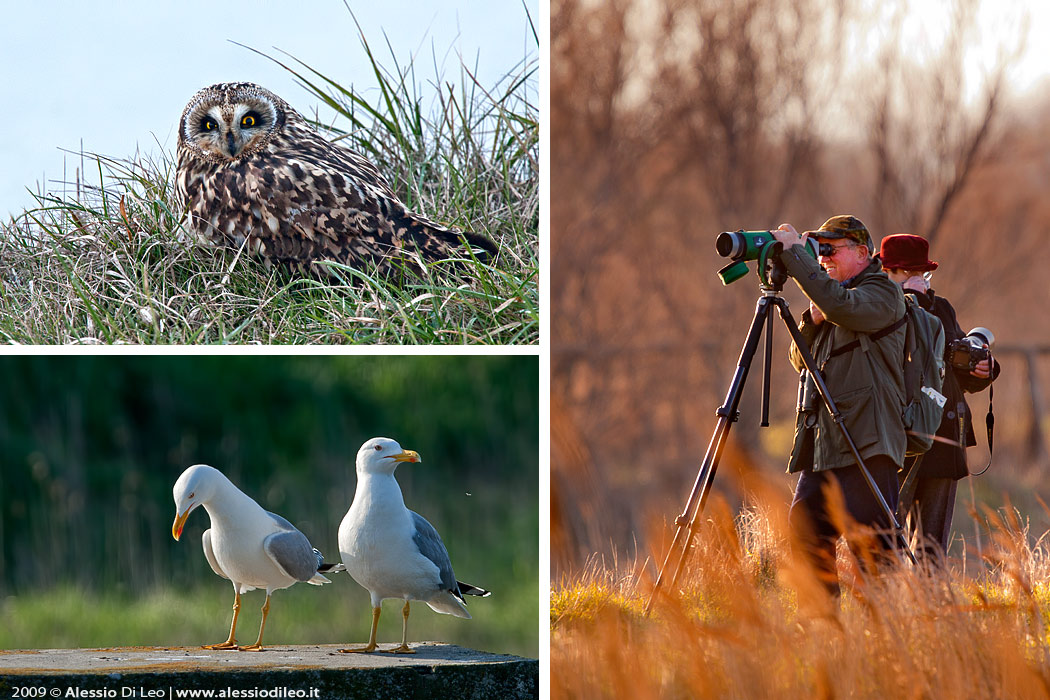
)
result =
(90, 448)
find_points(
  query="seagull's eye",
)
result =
(192, 495)
(379, 448)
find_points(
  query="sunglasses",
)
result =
(834, 249)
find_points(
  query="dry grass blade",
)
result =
(739, 624)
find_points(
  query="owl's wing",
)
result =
(355, 234)
(328, 202)
(347, 169)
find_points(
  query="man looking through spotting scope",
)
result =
(850, 298)
(928, 492)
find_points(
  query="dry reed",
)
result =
(750, 620)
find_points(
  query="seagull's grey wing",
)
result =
(210, 555)
(430, 546)
(281, 522)
(291, 551)
(321, 567)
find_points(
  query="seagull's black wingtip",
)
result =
(467, 589)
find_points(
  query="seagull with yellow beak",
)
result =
(390, 550)
(249, 546)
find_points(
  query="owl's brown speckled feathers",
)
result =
(250, 167)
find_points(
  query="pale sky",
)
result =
(999, 29)
(116, 75)
(924, 25)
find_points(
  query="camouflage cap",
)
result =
(845, 226)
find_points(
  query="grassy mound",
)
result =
(113, 264)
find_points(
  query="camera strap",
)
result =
(989, 424)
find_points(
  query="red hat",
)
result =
(904, 251)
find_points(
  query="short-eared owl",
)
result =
(250, 167)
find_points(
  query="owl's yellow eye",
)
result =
(248, 120)
(209, 124)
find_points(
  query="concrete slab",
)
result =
(166, 673)
(124, 659)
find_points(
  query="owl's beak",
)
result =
(231, 143)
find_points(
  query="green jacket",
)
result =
(867, 383)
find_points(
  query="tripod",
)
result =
(688, 522)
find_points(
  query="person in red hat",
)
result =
(929, 495)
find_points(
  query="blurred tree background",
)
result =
(90, 448)
(673, 120)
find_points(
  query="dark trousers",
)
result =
(930, 516)
(814, 524)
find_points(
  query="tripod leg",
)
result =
(811, 366)
(764, 309)
(727, 414)
(708, 469)
(766, 370)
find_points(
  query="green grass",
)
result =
(338, 613)
(112, 264)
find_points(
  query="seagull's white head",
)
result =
(382, 455)
(195, 486)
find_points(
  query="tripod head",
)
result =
(775, 272)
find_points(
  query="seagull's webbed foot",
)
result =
(230, 642)
(403, 649)
(371, 646)
(359, 650)
(258, 642)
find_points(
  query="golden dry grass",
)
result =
(748, 620)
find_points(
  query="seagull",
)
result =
(390, 550)
(245, 544)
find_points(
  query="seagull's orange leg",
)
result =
(403, 649)
(258, 642)
(371, 646)
(230, 643)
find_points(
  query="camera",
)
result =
(967, 351)
(742, 246)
